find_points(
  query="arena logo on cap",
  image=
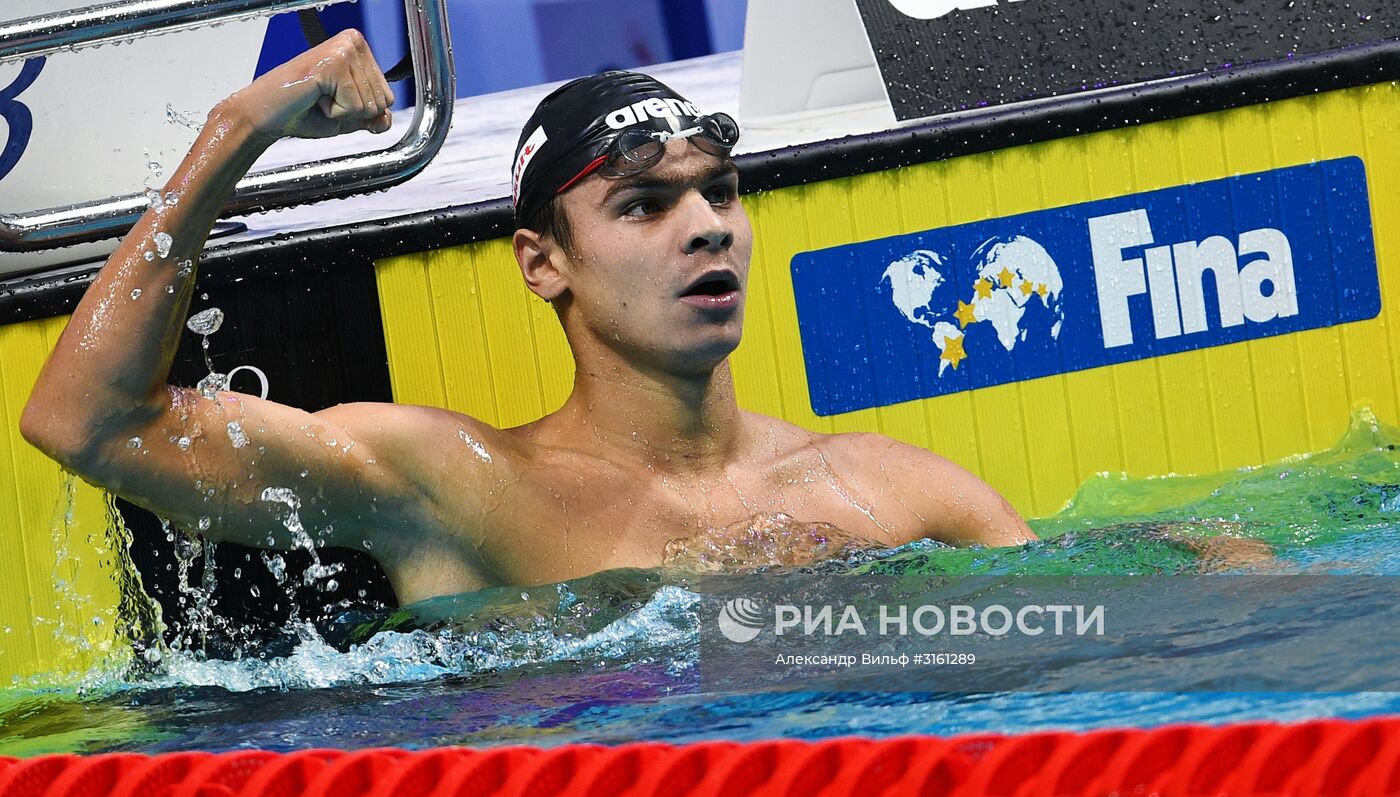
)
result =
(527, 153)
(653, 108)
(933, 9)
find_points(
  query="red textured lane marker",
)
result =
(359, 774)
(288, 775)
(222, 776)
(1080, 761)
(621, 771)
(421, 774)
(156, 776)
(32, 778)
(1322, 758)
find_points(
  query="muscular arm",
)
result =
(936, 497)
(102, 406)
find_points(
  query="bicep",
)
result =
(950, 503)
(974, 513)
(239, 468)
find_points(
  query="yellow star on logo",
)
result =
(965, 314)
(1005, 276)
(953, 351)
(983, 288)
(1026, 288)
(1042, 289)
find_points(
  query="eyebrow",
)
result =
(652, 183)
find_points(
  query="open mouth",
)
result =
(716, 285)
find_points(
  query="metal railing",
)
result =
(429, 45)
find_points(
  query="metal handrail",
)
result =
(429, 44)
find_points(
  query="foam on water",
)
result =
(665, 623)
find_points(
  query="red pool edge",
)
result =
(1347, 758)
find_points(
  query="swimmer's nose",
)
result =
(709, 230)
(713, 241)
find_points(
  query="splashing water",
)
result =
(301, 539)
(175, 117)
(206, 322)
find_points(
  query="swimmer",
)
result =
(630, 226)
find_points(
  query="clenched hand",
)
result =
(334, 88)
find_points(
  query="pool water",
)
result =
(613, 657)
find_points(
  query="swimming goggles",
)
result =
(638, 149)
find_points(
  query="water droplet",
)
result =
(183, 444)
(174, 117)
(163, 243)
(206, 322)
(135, 293)
(212, 384)
(281, 495)
(134, 442)
(236, 435)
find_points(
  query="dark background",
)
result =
(1043, 48)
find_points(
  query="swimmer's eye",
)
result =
(720, 194)
(641, 208)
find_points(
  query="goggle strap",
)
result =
(587, 170)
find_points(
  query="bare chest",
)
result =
(552, 524)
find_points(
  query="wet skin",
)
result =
(651, 445)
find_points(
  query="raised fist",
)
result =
(334, 88)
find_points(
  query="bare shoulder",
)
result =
(432, 436)
(389, 422)
(447, 458)
(953, 504)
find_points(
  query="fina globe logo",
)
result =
(1011, 273)
(933, 9)
(1084, 286)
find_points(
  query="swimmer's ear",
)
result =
(536, 254)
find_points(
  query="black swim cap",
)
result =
(572, 128)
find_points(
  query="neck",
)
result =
(676, 423)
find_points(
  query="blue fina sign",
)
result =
(1088, 285)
